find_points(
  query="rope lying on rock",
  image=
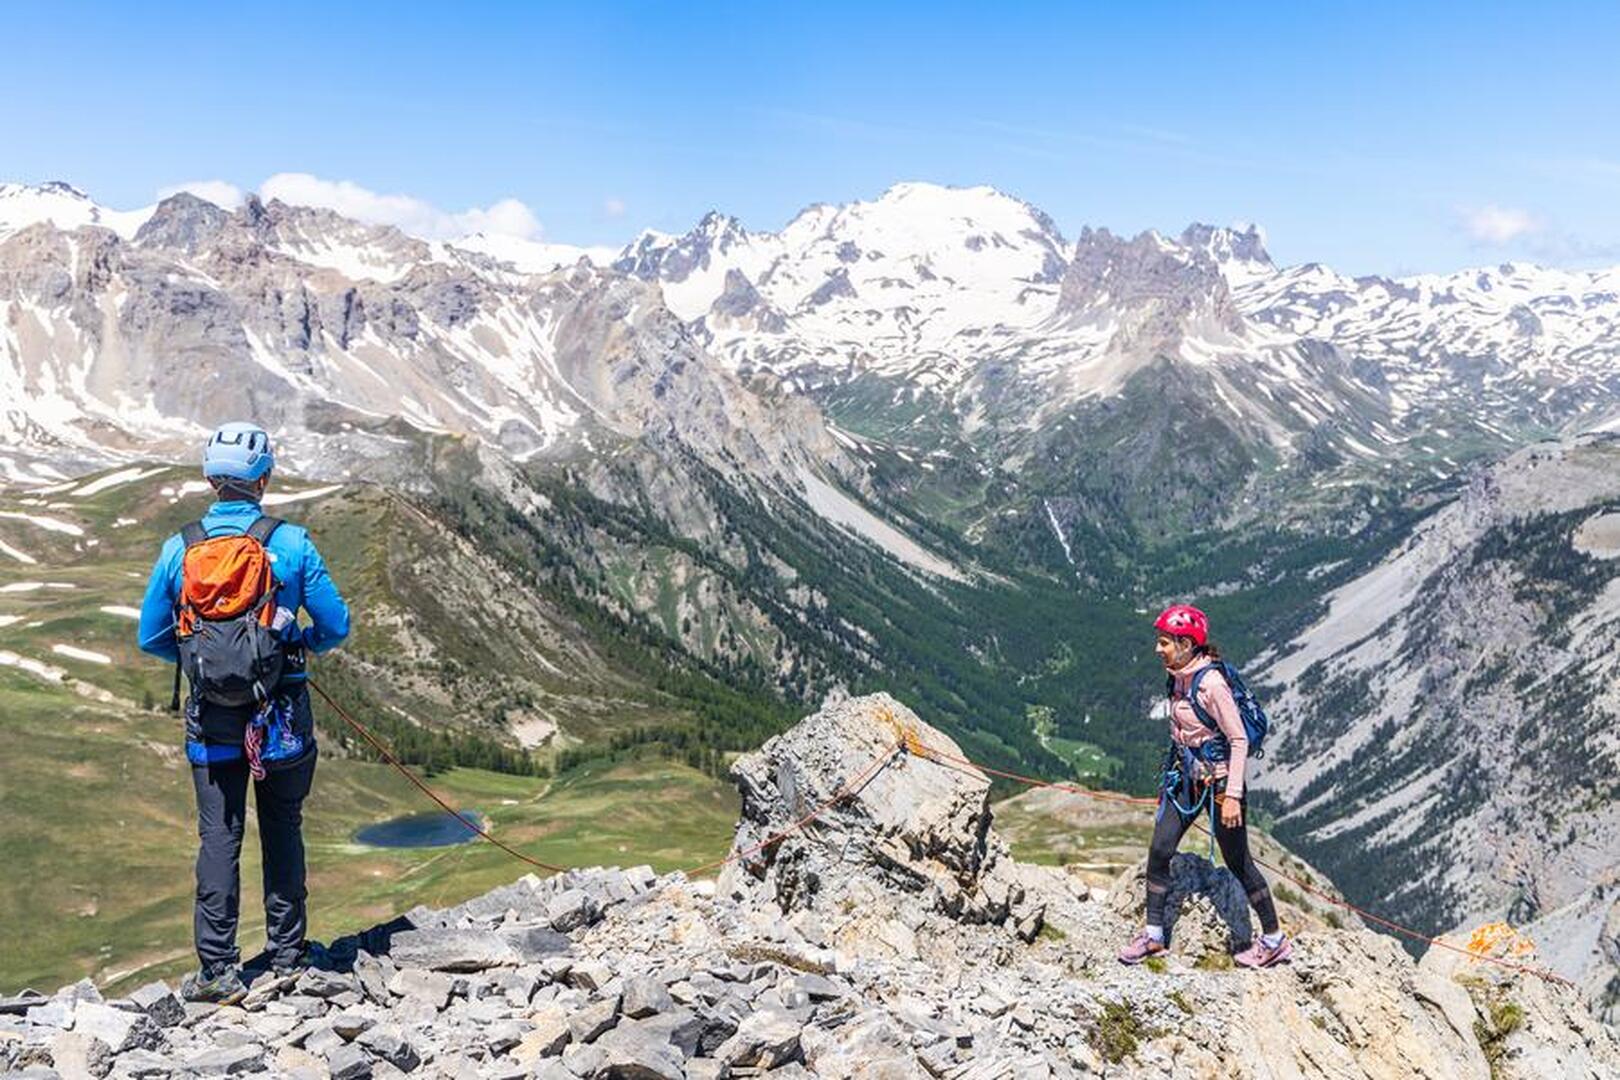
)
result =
(952, 761)
(914, 747)
(878, 764)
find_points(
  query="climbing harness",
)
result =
(1181, 768)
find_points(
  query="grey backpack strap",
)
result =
(262, 529)
(192, 533)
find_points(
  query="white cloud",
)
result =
(219, 192)
(613, 207)
(1499, 224)
(508, 217)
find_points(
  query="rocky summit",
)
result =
(869, 923)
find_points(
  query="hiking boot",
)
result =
(310, 955)
(1259, 954)
(1142, 946)
(223, 986)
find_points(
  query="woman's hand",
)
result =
(1231, 812)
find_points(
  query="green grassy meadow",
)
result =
(98, 834)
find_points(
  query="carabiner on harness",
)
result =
(1180, 776)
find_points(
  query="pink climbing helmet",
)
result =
(1184, 620)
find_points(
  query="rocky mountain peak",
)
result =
(657, 257)
(912, 826)
(62, 205)
(1231, 248)
(1159, 291)
(185, 223)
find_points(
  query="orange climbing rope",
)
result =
(876, 766)
(942, 758)
(388, 756)
(910, 743)
(953, 761)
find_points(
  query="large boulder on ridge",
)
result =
(904, 822)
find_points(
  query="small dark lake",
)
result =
(420, 830)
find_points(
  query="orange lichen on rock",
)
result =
(1500, 940)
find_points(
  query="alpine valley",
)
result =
(639, 510)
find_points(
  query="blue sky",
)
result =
(1369, 137)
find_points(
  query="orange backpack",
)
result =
(223, 620)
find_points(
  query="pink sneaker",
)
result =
(1142, 946)
(1257, 955)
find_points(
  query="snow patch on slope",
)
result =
(846, 513)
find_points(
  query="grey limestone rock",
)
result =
(553, 1069)
(590, 975)
(157, 1001)
(325, 984)
(447, 949)
(55, 1013)
(766, 1039)
(432, 987)
(120, 1030)
(373, 975)
(531, 944)
(141, 1064)
(571, 909)
(75, 1053)
(644, 997)
(584, 1060)
(18, 1004)
(323, 1039)
(82, 991)
(351, 1022)
(550, 1033)
(348, 1062)
(227, 1060)
(593, 1019)
(637, 1051)
(390, 1043)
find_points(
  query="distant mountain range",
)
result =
(926, 443)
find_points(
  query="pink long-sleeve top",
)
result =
(1216, 698)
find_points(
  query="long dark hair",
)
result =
(1209, 649)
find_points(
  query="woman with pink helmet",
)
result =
(1208, 763)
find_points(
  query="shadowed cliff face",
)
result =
(1446, 727)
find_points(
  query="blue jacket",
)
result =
(301, 582)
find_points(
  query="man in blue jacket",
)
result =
(237, 462)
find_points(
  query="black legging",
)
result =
(1168, 830)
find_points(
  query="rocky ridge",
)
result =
(891, 937)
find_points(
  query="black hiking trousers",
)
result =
(221, 813)
(1168, 829)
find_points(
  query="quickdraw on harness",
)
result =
(1181, 777)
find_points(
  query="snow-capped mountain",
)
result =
(1528, 344)
(64, 206)
(313, 322)
(971, 302)
(953, 294)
